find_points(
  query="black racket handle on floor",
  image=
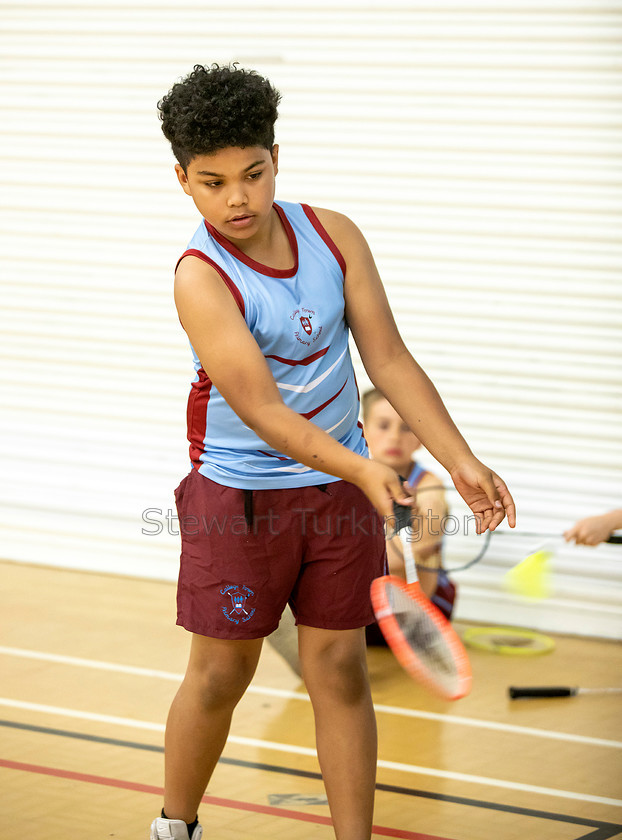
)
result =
(542, 691)
(558, 691)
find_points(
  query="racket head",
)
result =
(423, 641)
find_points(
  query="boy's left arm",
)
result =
(395, 373)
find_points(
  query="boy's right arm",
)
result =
(232, 359)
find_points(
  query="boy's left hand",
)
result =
(485, 493)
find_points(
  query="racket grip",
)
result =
(542, 691)
(616, 539)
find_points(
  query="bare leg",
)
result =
(198, 723)
(334, 666)
(284, 640)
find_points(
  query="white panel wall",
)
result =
(478, 145)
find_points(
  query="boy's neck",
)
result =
(269, 246)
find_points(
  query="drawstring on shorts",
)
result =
(248, 503)
(248, 507)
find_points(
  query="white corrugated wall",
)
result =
(477, 144)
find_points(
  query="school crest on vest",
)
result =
(307, 329)
(238, 611)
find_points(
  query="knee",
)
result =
(220, 684)
(339, 673)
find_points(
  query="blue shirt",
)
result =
(297, 317)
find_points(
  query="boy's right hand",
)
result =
(383, 487)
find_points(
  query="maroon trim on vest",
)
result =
(196, 416)
(310, 414)
(270, 455)
(237, 295)
(293, 362)
(257, 266)
(321, 231)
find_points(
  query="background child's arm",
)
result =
(397, 375)
(232, 359)
(595, 529)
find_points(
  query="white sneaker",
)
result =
(162, 829)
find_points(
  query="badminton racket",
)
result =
(423, 641)
(557, 691)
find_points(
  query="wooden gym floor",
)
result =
(89, 666)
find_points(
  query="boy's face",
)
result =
(233, 188)
(389, 439)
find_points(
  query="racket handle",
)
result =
(542, 691)
(616, 539)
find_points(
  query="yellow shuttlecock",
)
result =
(531, 578)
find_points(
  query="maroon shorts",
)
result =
(245, 555)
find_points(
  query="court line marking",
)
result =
(236, 804)
(605, 829)
(288, 694)
(308, 751)
(599, 834)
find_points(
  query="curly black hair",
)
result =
(218, 107)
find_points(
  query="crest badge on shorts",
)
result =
(239, 611)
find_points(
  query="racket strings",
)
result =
(422, 636)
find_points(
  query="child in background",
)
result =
(391, 442)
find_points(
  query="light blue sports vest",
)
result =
(297, 318)
(416, 474)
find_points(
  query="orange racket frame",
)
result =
(407, 655)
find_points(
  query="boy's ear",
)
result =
(182, 178)
(275, 157)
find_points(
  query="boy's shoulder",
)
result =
(326, 216)
(341, 229)
(431, 480)
(332, 217)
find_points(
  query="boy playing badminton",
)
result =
(282, 503)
